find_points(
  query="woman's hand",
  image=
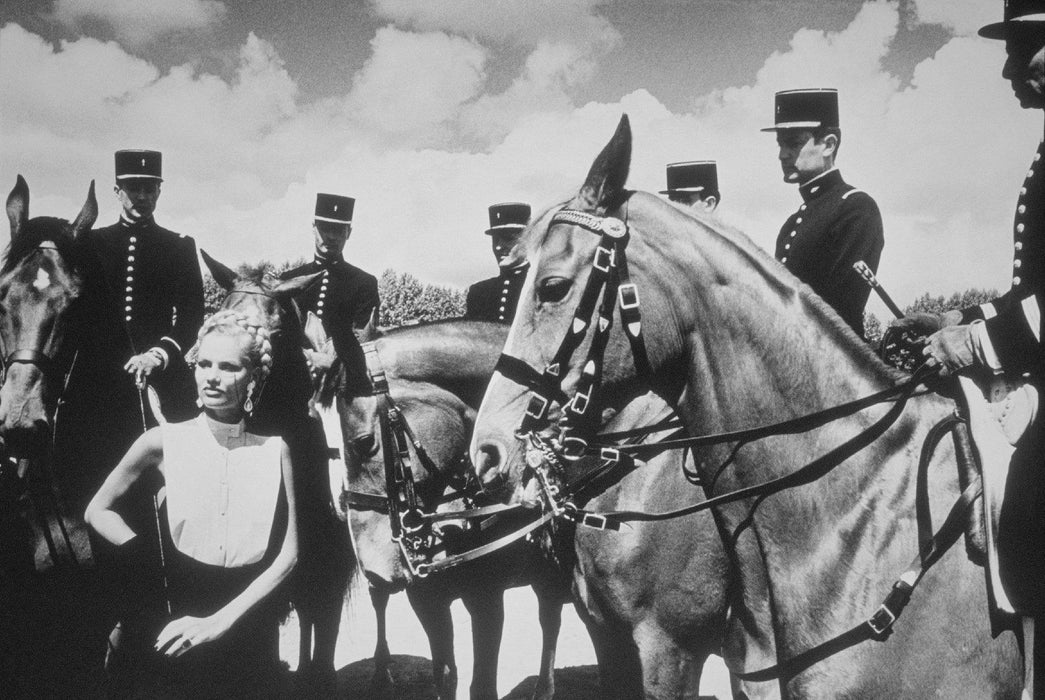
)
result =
(185, 633)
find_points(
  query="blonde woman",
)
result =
(229, 531)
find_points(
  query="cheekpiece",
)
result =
(692, 176)
(334, 208)
(139, 163)
(1017, 12)
(508, 216)
(805, 109)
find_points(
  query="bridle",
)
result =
(411, 516)
(548, 459)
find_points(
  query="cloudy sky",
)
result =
(427, 112)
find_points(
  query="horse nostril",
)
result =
(488, 463)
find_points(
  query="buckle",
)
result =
(882, 620)
(594, 521)
(609, 454)
(628, 296)
(538, 406)
(613, 227)
(605, 258)
(580, 402)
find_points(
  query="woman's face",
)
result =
(223, 371)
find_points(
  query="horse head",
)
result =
(40, 282)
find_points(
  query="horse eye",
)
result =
(366, 445)
(553, 289)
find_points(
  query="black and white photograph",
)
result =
(522, 349)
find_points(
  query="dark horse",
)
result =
(326, 560)
(51, 604)
(737, 342)
(436, 376)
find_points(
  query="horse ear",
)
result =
(85, 219)
(224, 276)
(18, 206)
(290, 288)
(603, 187)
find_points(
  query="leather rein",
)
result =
(548, 457)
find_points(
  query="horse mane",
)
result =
(710, 232)
(34, 233)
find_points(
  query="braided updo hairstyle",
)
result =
(233, 323)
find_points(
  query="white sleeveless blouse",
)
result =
(222, 485)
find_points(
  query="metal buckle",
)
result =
(630, 291)
(609, 454)
(594, 521)
(538, 406)
(613, 227)
(882, 620)
(605, 258)
(580, 402)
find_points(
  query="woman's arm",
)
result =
(144, 455)
(186, 632)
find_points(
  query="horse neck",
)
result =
(458, 357)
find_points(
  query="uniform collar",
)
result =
(127, 222)
(327, 263)
(514, 270)
(820, 184)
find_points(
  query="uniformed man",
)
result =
(1005, 336)
(495, 299)
(693, 184)
(345, 297)
(836, 225)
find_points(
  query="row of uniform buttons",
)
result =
(787, 246)
(504, 298)
(322, 293)
(132, 245)
(1021, 209)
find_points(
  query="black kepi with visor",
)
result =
(692, 176)
(809, 108)
(334, 208)
(139, 164)
(1029, 13)
(508, 216)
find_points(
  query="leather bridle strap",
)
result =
(31, 357)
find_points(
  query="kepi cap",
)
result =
(508, 216)
(1017, 12)
(692, 176)
(334, 208)
(808, 108)
(139, 163)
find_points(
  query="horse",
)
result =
(734, 341)
(326, 563)
(52, 601)
(436, 374)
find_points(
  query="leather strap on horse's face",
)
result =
(609, 277)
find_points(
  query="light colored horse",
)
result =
(738, 342)
(436, 375)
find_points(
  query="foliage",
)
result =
(406, 300)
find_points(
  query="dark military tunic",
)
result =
(343, 298)
(495, 299)
(836, 226)
(1014, 326)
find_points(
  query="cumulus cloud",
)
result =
(963, 17)
(139, 22)
(424, 146)
(524, 23)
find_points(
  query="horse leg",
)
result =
(620, 668)
(549, 612)
(381, 682)
(486, 607)
(668, 672)
(433, 611)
